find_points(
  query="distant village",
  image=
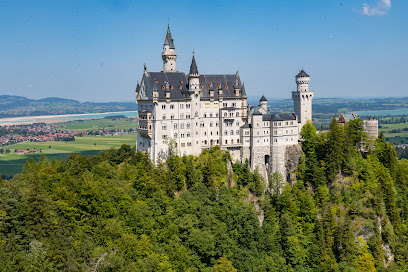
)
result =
(41, 132)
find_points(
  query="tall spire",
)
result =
(168, 40)
(193, 66)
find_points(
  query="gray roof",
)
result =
(247, 126)
(179, 81)
(193, 67)
(278, 117)
(302, 73)
(168, 40)
(263, 98)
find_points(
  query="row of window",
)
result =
(172, 106)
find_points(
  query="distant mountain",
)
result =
(56, 99)
(16, 106)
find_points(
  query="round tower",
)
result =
(169, 54)
(302, 99)
(263, 102)
(302, 81)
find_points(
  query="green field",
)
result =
(394, 138)
(11, 164)
(85, 125)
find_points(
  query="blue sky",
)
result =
(95, 50)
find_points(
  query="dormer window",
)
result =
(165, 81)
(181, 81)
(163, 87)
(171, 87)
(226, 86)
(180, 87)
(218, 86)
(156, 81)
(201, 86)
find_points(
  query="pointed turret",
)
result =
(243, 92)
(168, 40)
(193, 67)
(263, 99)
(169, 54)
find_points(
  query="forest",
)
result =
(347, 210)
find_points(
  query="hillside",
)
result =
(17, 106)
(347, 211)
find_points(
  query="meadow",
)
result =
(395, 138)
(12, 163)
(104, 123)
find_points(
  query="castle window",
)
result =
(226, 86)
(175, 126)
(164, 117)
(232, 132)
(182, 116)
(225, 104)
(218, 86)
(175, 135)
(237, 141)
(211, 124)
(188, 144)
(226, 132)
(207, 105)
(188, 116)
(205, 115)
(172, 116)
(171, 87)
(225, 114)
(183, 144)
(216, 115)
(180, 87)
(216, 124)
(182, 126)
(171, 106)
(187, 106)
(202, 124)
(237, 114)
(237, 123)
(226, 141)
(163, 107)
(164, 136)
(188, 134)
(205, 133)
(201, 86)
(162, 87)
(181, 106)
(215, 105)
(164, 126)
(232, 141)
(196, 114)
(233, 104)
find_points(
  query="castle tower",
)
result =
(169, 54)
(263, 102)
(302, 98)
(194, 91)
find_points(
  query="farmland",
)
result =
(11, 164)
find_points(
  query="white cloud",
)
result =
(382, 8)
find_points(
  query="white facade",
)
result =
(197, 112)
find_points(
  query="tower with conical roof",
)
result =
(195, 95)
(302, 98)
(263, 102)
(169, 54)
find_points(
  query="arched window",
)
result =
(164, 126)
(226, 132)
(232, 132)
(211, 124)
(175, 126)
(237, 114)
(225, 114)
(196, 114)
(172, 116)
(188, 125)
(182, 125)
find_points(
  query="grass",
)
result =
(11, 164)
(84, 125)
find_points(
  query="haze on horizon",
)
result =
(95, 50)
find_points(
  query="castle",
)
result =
(198, 111)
